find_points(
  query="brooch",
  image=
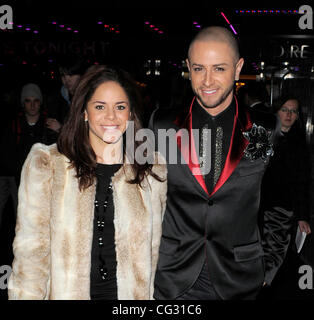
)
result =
(259, 146)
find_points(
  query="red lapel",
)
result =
(185, 141)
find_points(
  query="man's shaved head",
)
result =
(214, 64)
(218, 34)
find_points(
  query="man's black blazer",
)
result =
(221, 227)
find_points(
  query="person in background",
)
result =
(286, 184)
(256, 96)
(8, 188)
(290, 166)
(26, 129)
(58, 103)
(89, 218)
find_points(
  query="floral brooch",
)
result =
(259, 146)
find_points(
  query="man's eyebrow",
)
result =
(215, 65)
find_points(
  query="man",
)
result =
(58, 103)
(31, 125)
(27, 128)
(255, 96)
(210, 247)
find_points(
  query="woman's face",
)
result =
(288, 114)
(107, 113)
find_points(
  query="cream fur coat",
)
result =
(52, 246)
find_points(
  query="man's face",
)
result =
(213, 70)
(32, 106)
(70, 82)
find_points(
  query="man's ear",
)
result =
(188, 65)
(238, 69)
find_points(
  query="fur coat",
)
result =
(54, 231)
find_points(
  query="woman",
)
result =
(285, 190)
(293, 145)
(89, 221)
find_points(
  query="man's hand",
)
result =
(53, 124)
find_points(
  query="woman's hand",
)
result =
(304, 226)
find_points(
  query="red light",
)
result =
(225, 17)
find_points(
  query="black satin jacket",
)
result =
(221, 226)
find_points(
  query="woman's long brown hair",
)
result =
(73, 141)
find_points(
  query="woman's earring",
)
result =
(86, 119)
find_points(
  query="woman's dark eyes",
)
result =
(118, 107)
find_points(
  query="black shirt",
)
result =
(215, 151)
(103, 259)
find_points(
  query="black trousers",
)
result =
(202, 289)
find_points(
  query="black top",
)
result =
(17, 139)
(286, 182)
(220, 127)
(103, 259)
